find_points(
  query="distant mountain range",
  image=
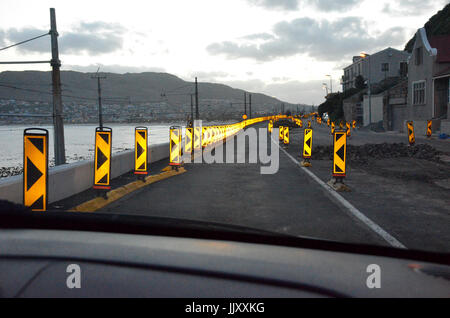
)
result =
(148, 88)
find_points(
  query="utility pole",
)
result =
(370, 96)
(58, 124)
(197, 115)
(192, 107)
(250, 105)
(245, 103)
(100, 115)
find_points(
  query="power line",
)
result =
(37, 37)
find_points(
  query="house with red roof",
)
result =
(428, 82)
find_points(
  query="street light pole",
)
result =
(324, 85)
(331, 84)
(365, 55)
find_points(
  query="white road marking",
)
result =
(358, 214)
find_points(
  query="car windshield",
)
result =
(319, 119)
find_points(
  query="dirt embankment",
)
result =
(363, 154)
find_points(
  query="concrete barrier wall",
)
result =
(67, 180)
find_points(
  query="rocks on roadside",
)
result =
(10, 171)
(362, 154)
(18, 170)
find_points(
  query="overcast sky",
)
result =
(283, 48)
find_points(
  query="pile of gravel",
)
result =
(362, 154)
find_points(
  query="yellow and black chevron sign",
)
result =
(35, 168)
(429, 130)
(140, 150)
(347, 125)
(102, 162)
(281, 133)
(204, 136)
(339, 153)
(309, 124)
(307, 143)
(175, 146)
(328, 123)
(332, 128)
(354, 124)
(286, 136)
(411, 136)
(197, 138)
(188, 141)
(341, 125)
(319, 120)
(300, 123)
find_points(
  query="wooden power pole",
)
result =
(59, 148)
(99, 89)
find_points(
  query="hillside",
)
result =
(159, 95)
(438, 24)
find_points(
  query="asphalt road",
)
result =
(292, 202)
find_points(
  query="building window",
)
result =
(419, 93)
(403, 69)
(448, 95)
(418, 56)
(385, 67)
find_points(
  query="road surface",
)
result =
(381, 209)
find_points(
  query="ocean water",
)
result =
(79, 141)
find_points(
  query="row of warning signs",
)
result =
(35, 184)
(339, 148)
(35, 145)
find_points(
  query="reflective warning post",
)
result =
(332, 128)
(35, 168)
(309, 124)
(141, 151)
(411, 136)
(307, 147)
(197, 138)
(281, 133)
(286, 136)
(307, 143)
(175, 146)
(339, 153)
(429, 128)
(102, 161)
(188, 141)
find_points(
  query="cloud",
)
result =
(323, 40)
(92, 44)
(112, 68)
(276, 4)
(258, 36)
(93, 38)
(412, 7)
(294, 5)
